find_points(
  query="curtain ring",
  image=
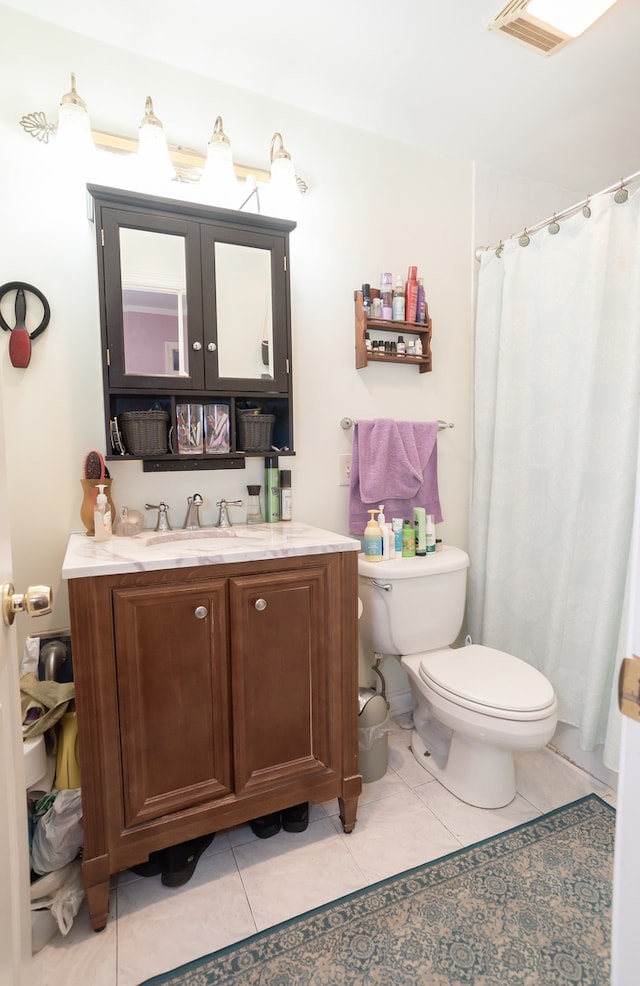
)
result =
(622, 194)
(586, 208)
(524, 239)
(499, 249)
(554, 226)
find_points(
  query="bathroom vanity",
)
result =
(216, 681)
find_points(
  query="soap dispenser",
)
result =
(372, 539)
(102, 516)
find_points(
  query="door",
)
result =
(15, 921)
(626, 880)
(286, 694)
(173, 696)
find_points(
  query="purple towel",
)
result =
(395, 463)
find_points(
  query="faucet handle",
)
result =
(223, 519)
(162, 523)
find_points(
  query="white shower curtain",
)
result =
(557, 382)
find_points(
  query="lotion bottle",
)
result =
(102, 516)
(372, 539)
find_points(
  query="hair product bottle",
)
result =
(271, 490)
(431, 533)
(420, 527)
(411, 295)
(408, 540)
(398, 301)
(286, 497)
(386, 293)
(421, 314)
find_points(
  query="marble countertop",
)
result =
(152, 550)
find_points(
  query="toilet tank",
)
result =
(411, 605)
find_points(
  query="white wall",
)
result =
(372, 206)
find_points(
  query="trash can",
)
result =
(373, 747)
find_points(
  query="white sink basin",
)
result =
(230, 534)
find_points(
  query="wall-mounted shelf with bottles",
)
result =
(410, 330)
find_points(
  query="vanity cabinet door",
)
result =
(171, 645)
(286, 698)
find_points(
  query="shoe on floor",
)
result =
(180, 861)
(152, 867)
(296, 818)
(266, 826)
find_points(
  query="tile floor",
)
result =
(243, 884)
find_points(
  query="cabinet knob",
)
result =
(197, 346)
(211, 346)
(201, 612)
(261, 604)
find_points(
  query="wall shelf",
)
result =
(373, 325)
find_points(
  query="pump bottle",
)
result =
(372, 539)
(102, 516)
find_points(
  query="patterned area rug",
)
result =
(530, 907)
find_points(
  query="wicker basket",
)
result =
(144, 432)
(255, 431)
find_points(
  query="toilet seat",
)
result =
(489, 681)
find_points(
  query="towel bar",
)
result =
(347, 423)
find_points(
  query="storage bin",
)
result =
(144, 432)
(255, 431)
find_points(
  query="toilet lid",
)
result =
(490, 680)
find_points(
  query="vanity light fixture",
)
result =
(74, 128)
(153, 152)
(220, 178)
(283, 190)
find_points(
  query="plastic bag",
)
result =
(61, 893)
(57, 838)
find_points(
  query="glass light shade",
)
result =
(572, 17)
(154, 162)
(218, 181)
(283, 194)
(73, 135)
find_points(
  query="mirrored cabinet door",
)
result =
(245, 321)
(153, 301)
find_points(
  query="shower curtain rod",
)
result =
(557, 216)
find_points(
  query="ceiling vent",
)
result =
(517, 23)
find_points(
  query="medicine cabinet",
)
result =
(194, 305)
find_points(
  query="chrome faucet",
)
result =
(162, 523)
(223, 519)
(192, 520)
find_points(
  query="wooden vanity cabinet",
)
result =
(208, 696)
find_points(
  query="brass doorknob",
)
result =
(36, 601)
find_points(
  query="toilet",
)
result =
(473, 706)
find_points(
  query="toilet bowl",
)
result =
(474, 706)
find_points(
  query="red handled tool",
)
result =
(20, 341)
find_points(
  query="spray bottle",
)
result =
(102, 515)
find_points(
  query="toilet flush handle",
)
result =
(382, 585)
